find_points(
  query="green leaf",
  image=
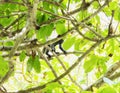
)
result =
(89, 34)
(30, 64)
(55, 9)
(8, 12)
(101, 64)
(77, 44)
(97, 19)
(7, 21)
(83, 14)
(113, 5)
(102, 60)
(90, 63)
(41, 35)
(95, 5)
(41, 18)
(119, 15)
(110, 46)
(60, 28)
(83, 44)
(93, 22)
(44, 32)
(30, 34)
(107, 89)
(46, 5)
(13, 7)
(37, 66)
(68, 43)
(10, 43)
(4, 67)
(48, 29)
(52, 86)
(22, 56)
(107, 11)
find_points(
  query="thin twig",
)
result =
(50, 66)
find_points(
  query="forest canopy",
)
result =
(59, 46)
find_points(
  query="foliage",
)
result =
(4, 67)
(91, 33)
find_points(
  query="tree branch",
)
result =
(29, 25)
(50, 66)
(108, 74)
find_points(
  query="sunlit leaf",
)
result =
(41, 18)
(41, 35)
(119, 15)
(90, 63)
(36, 66)
(113, 5)
(107, 11)
(30, 64)
(107, 89)
(30, 34)
(22, 56)
(49, 29)
(95, 5)
(111, 46)
(4, 67)
(68, 43)
(46, 6)
(77, 44)
(60, 28)
(10, 43)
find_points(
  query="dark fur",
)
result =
(52, 46)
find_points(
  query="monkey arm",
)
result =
(60, 46)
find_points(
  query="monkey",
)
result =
(52, 46)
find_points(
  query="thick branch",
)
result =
(29, 25)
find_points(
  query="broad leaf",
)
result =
(41, 18)
(107, 89)
(110, 47)
(52, 86)
(95, 5)
(30, 64)
(41, 35)
(49, 29)
(113, 5)
(68, 43)
(22, 56)
(60, 28)
(44, 32)
(37, 66)
(10, 43)
(90, 63)
(3, 67)
(118, 15)
(77, 44)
